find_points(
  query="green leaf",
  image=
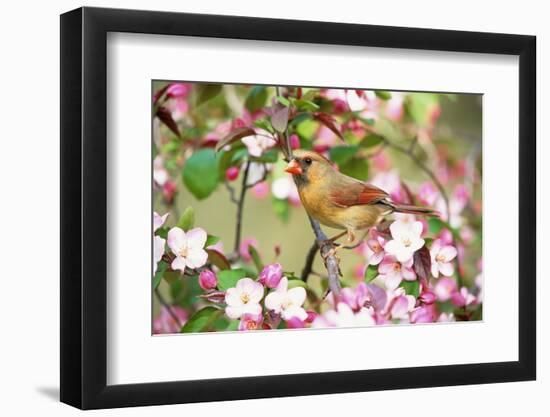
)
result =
(411, 287)
(356, 168)
(371, 140)
(434, 225)
(232, 326)
(187, 219)
(200, 173)
(269, 157)
(263, 124)
(371, 272)
(211, 240)
(293, 283)
(201, 320)
(255, 257)
(162, 266)
(384, 95)
(256, 98)
(418, 106)
(282, 209)
(341, 154)
(218, 259)
(283, 101)
(207, 92)
(228, 278)
(306, 105)
(307, 128)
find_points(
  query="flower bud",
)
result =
(427, 297)
(271, 275)
(177, 90)
(208, 280)
(232, 173)
(294, 141)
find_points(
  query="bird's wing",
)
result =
(355, 193)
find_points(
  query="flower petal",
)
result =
(446, 268)
(274, 300)
(178, 263)
(232, 297)
(392, 281)
(448, 252)
(176, 240)
(196, 238)
(297, 295)
(234, 312)
(294, 311)
(196, 258)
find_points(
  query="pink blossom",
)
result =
(406, 240)
(427, 297)
(400, 304)
(423, 314)
(294, 141)
(295, 323)
(271, 275)
(244, 298)
(208, 280)
(165, 323)
(232, 173)
(158, 251)
(394, 106)
(169, 190)
(428, 193)
(178, 90)
(441, 259)
(344, 316)
(257, 144)
(393, 272)
(243, 249)
(260, 190)
(446, 317)
(444, 287)
(463, 298)
(374, 249)
(188, 248)
(287, 302)
(364, 295)
(158, 220)
(284, 188)
(391, 183)
(160, 175)
(251, 321)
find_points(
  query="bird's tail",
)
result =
(420, 211)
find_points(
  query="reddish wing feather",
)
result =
(357, 194)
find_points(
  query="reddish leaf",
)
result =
(218, 259)
(217, 297)
(166, 117)
(160, 93)
(422, 264)
(235, 135)
(329, 122)
(279, 120)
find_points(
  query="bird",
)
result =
(340, 201)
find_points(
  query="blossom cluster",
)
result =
(210, 137)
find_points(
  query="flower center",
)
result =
(397, 267)
(184, 251)
(407, 242)
(245, 298)
(251, 325)
(376, 247)
(440, 258)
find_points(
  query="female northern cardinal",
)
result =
(339, 201)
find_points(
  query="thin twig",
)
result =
(168, 308)
(240, 206)
(231, 191)
(310, 258)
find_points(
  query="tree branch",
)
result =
(310, 258)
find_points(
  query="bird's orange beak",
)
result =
(294, 168)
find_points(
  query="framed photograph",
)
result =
(257, 208)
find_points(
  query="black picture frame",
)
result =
(84, 207)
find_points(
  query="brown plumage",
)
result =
(339, 201)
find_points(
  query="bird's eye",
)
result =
(308, 161)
